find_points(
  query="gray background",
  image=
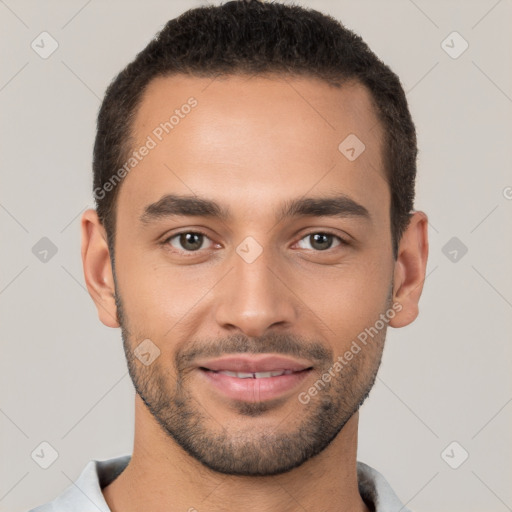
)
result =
(444, 378)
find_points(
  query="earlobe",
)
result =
(410, 269)
(97, 268)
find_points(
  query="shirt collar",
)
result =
(85, 494)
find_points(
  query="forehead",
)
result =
(300, 106)
(274, 137)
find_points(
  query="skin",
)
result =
(250, 144)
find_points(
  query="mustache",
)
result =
(294, 346)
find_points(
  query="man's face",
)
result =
(254, 291)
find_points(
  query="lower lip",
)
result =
(254, 390)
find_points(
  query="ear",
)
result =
(410, 268)
(97, 268)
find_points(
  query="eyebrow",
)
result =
(172, 205)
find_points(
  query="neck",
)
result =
(161, 476)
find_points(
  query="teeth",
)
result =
(265, 375)
(256, 375)
(240, 375)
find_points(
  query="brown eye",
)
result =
(188, 241)
(321, 241)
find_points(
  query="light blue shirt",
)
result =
(85, 494)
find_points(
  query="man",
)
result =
(254, 237)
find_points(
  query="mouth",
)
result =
(254, 378)
(255, 364)
(252, 375)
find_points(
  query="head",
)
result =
(254, 172)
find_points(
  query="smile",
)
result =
(254, 375)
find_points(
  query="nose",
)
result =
(255, 297)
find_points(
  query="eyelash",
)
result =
(165, 242)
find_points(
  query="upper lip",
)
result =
(254, 363)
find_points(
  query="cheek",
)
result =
(157, 295)
(350, 300)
